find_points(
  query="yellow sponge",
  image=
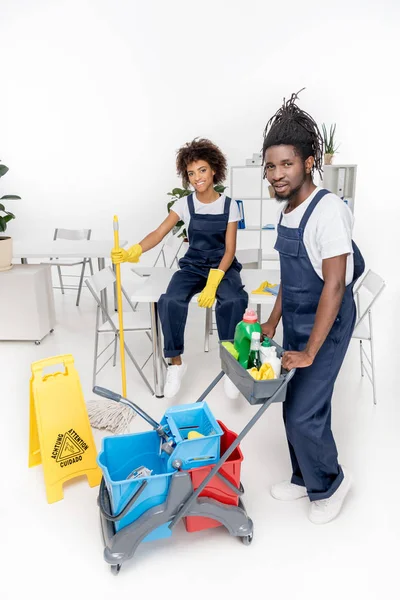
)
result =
(192, 435)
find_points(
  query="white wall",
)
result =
(96, 96)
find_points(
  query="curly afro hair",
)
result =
(201, 149)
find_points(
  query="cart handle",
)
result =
(110, 395)
(238, 491)
(189, 501)
(124, 511)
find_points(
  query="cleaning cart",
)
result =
(187, 467)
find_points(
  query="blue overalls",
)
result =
(307, 409)
(206, 249)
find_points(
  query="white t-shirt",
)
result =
(181, 208)
(328, 232)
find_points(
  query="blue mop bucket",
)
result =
(199, 452)
(119, 457)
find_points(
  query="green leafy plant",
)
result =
(329, 140)
(6, 216)
(177, 194)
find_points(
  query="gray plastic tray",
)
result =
(256, 392)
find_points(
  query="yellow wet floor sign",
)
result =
(60, 435)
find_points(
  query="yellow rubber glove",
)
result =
(207, 296)
(131, 255)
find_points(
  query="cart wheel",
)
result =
(115, 569)
(247, 539)
(37, 342)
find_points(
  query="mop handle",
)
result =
(105, 393)
(120, 315)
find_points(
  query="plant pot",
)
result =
(5, 253)
(328, 159)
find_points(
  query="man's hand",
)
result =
(296, 360)
(268, 329)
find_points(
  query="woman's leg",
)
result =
(232, 301)
(173, 309)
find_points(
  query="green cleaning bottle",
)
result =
(254, 356)
(243, 332)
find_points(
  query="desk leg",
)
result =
(103, 294)
(157, 352)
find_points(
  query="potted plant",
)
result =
(5, 217)
(330, 146)
(177, 194)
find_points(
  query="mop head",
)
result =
(106, 414)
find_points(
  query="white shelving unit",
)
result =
(341, 180)
(252, 188)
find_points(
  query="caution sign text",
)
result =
(68, 448)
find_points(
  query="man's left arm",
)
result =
(334, 274)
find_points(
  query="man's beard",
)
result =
(291, 193)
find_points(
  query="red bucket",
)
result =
(216, 488)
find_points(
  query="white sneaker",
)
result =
(323, 511)
(173, 380)
(285, 490)
(230, 389)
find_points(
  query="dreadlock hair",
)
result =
(201, 149)
(294, 127)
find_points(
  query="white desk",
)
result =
(156, 285)
(26, 303)
(100, 249)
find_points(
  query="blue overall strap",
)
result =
(309, 210)
(190, 204)
(311, 207)
(227, 205)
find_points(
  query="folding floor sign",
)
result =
(60, 434)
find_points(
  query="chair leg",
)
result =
(60, 278)
(115, 349)
(211, 322)
(96, 348)
(207, 330)
(139, 370)
(91, 266)
(81, 282)
(371, 342)
(361, 359)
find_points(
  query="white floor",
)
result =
(55, 551)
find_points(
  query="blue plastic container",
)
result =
(122, 454)
(198, 452)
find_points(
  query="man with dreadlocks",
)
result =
(209, 266)
(319, 266)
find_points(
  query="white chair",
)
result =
(71, 234)
(166, 257)
(366, 293)
(105, 323)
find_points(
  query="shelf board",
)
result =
(271, 256)
(253, 198)
(255, 228)
(246, 166)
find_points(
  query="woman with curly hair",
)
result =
(209, 266)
